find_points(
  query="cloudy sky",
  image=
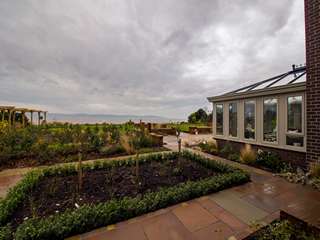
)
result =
(141, 56)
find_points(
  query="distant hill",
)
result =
(108, 118)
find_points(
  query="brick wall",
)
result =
(297, 159)
(312, 20)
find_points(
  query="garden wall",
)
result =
(292, 157)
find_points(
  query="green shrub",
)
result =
(5, 233)
(226, 150)
(88, 217)
(270, 160)
(234, 157)
(112, 150)
(209, 147)
(285, 230)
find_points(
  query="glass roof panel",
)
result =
(243, 90)
(301, 79)
(263, 85)
(286, 80)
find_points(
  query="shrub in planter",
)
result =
(270, 160)
(209, 147)
(248, 155)
(226, 150)
(234, 157)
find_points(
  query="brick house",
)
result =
(279, 114)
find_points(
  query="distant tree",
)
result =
(192, 118)
(199, 116)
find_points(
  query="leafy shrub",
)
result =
(209, 147)
(234, 157)
(248, 155)
(226, 150)
(112, 150)
(270, 160)
(285, 230)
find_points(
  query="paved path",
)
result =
(228, 214)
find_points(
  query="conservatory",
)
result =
(269, 113)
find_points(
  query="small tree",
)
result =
(80, 140)
(132, 142)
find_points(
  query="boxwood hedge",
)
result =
(91, 216)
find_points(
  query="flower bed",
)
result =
(48, 203)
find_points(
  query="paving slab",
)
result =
(240, 208)
(216, 231)
(131, 231)
(194, 216)
(7, 182)
(165, 227)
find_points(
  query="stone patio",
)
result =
(229, 214)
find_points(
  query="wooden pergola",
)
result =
(11, 111)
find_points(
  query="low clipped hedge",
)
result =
(91, 216)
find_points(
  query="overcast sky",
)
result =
(142, 57)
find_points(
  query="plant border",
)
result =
(91, 216)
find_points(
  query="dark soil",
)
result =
(33, 162)
(56, 194)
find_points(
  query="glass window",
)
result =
(219, 119)
(294, 121)
(270, 128)
(249, 120)
(233, 124)
(295, 114)
(296, 141)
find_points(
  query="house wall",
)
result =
(293, 157)
(282, 122)
(312, 20)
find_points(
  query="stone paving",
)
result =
(229, 214)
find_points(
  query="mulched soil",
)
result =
(56, 194)
(32, 162)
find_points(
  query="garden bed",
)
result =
(48, 204)
(283, 230)
(67, 157)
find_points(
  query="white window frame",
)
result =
(237, 106)
(255, 120)
(223, 119)
(302, 134)
(262, 124)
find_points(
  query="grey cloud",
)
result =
(142, 57)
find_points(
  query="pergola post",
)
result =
(2, 115)
(13, 118)
(9, 118)
(45, 117)
(31, 117)
(39, 113)
(23, 119)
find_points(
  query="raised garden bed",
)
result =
(47, 203)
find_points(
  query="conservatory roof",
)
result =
(294, 80)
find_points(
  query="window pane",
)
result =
(296, 141)
(249, 120)
(219, 119)
(270, 119)
(295, 114)
(233, 125)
